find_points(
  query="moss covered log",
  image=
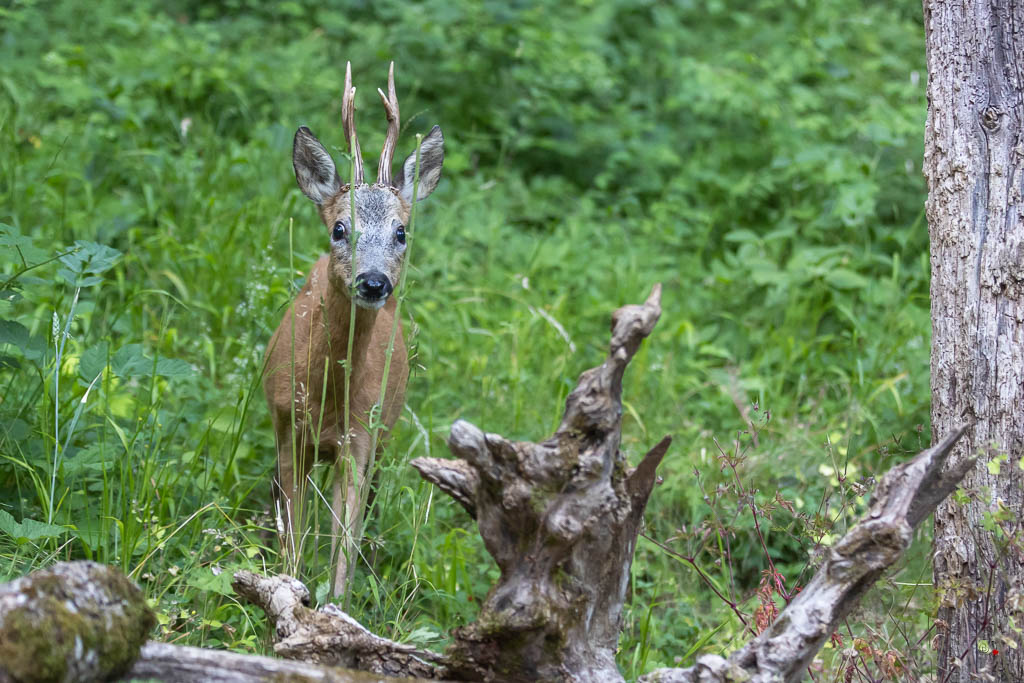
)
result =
(75, 621)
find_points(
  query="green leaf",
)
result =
(89, 260)
(92, 532)
(205, 580)
(92, 361)
(89, 459)
(12, 332)
(841, 278)
(19, 248)
(16, 334)
(423, 635)
(128, 361)
(17, 429)
(173, 367)
(120, 435)
(322, 591)
(742, 235)
(700, 642)
(28, 529)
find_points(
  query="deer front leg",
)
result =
(348, 507)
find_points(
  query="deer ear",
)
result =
(431, 158)
(314, 168)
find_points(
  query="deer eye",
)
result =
(400, 234)
(338, 233)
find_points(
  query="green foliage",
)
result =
(28, 529)
(763, 163)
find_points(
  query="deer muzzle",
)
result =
(372, 289)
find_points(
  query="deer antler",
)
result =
(391, 107)
(348, 122)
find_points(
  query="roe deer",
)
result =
(313, 414)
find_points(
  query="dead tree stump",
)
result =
(561, 519)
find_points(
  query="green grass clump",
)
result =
(762, 163)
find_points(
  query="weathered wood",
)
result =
(905, 496)
(974, 164)
(180, 664)
(83, 621)
(455, 477)
(903, 499)
(329, 636)
(560, 518)
(75, 621)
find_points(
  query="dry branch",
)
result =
(180, 664)
(905, 496)
(329, 636)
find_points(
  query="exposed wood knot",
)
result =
(990, 118)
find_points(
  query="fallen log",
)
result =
(181, 664)
(83, 621)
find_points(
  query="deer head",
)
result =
(381, 209)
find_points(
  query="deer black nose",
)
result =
(373, 285)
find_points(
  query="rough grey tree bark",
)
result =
(974, 151)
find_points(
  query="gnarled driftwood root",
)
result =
(329, 636)
(560, 518)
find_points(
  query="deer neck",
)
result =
(338, 309)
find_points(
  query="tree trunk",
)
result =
(973, 155)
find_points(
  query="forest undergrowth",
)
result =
(763, 164)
